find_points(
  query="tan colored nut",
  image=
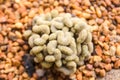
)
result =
(65, 50)
(46, 64)
(27, 33)
(57, 54)
(89, 38)
(43, 29)
(82, 36)
(48, 17)
(31, 39)
(57, 25)
(40, 21)
(73, 45)
(67, 21)
(85, 51)
(70, 58)
(37, 49)
(75, 20)
(65, 29)
(42, 40)
(54, 13)
(63, 38)
(40, 57)
(39, 41)
(78, 48)
(18, 25)
(53, 36)
(90, 47)
(71, 64)
(51, 46)
(58, 19)
(50, 58)
(58, 63)
(53, 29)
(80, 26)
(45, 36)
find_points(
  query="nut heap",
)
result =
(60, 41)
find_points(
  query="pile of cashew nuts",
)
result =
(60, 41)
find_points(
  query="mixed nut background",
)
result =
(16, 17)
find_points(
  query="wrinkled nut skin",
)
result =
(60, 40)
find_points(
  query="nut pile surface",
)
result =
(60, 40)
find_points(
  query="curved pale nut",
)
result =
(57, 25)
(45, 36)
(70, 58)
(39, 57)
(42, 40)
(57, 54)
(48, 17)
(39, 41)
(79, 48)
(85, 51)
(90, 47)
(63, 38)
(89, 38)
(68, 15)
(53, 29)
(58, 19)
(31, 39)
(65, 50)
(27, 34)
(71, 64)
(40, 21)
(44, 29)
(80, 26)
(82, 36)
(58, 63)
(36, 18)
(51, 46)
(45, 52)
(67, 21)
(37, 49)
(49, 58)
(53, 36)
(54, 13)
(73, 30)
(65, 29)
(46, 64)
(73, 45)
(75, 20)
